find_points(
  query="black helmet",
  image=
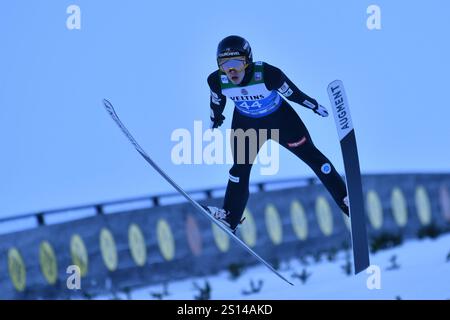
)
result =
(234, 46)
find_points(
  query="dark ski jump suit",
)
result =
(258, 105)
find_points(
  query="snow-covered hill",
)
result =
(419, 269)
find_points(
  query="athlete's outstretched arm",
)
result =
(217, 100)
(275, 79)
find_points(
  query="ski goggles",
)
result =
(236, 63)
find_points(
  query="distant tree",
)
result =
(303, 276)
(304, 260)
(204, 292)
(431, 230)
(331, 254)
(394, 265)
(87, 295)
(236, 270)
(127, 292)
(317, 256)
(347, 267)
(254, 288)
(162, 294)
(385, 240)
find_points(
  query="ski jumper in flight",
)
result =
(256, 88)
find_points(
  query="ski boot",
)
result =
(222, 215)
(345, 206)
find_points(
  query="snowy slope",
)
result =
(423, 273)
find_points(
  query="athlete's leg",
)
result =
(295, 137)
(245, 142)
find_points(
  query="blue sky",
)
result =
(60, 148)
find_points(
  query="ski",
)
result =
(346, 132)
(109, 107)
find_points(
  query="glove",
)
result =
(216, 121)
(320, 110)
